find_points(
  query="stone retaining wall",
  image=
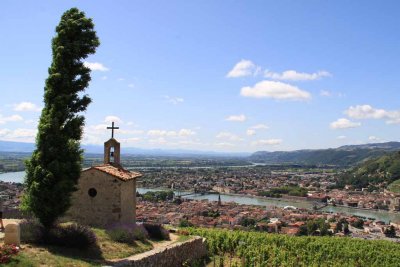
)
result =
(173, 255)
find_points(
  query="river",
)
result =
(17, 177)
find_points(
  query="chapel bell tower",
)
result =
(112, 149)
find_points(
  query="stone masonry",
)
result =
(114, 202)
(106, 193)
(173, 255)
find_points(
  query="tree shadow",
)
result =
(93, 254)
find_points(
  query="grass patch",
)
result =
(183, 238)
(106, 249)
(116, 250)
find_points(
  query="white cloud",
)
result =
(275, 90)
(239, 118)
(270, 142)
(26, 106)
(98, 133)
(186, 132)
(365, 112)
(130, 140)
(373, 138)
(161, 133)
(90, 139)
(95, 66)
(130, 132)
(292, 75)
(12, 118)
(18, 135)
(104, 78)
(394, 117)
(250, 132)
(341, 137)
(131, 85)
(121, 79)
(174, 100)
(344, 124)
(129, 123)
(111, 118)
(325, 93)
(22, 133)
(4, 132)
(98, 127)
(165, 133)
(368, 112)
(259, 126)
(243, 68)
(228, 136)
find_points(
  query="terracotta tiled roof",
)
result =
(117, 171)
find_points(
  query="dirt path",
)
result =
(157, 247)
(163, 244)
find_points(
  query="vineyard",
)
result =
(240, 248)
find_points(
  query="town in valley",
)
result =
(195, 191)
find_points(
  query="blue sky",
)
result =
(216, 75)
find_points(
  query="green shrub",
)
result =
(156, 231)
(31, 231)
(71, 236)
(127, 233)
(185, 223)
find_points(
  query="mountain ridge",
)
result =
(10, 146)
(348, 155)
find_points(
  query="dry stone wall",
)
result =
(174, 255)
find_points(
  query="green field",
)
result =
(241, 248)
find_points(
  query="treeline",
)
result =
(241, 248)
(156, 196)
(291, 190)
(137, 161)
(12, 162)
(340, 157)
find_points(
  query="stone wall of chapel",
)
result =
(128, 202)
(104, 208)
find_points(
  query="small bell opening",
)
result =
(112, 155)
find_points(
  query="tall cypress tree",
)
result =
(55, 165)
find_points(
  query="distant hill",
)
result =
(7, 146)
(384, 169)
(343, 156)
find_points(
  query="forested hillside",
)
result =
(344, 156)
(380, 171)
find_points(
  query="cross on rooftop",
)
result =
(112, 129)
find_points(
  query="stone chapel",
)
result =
(106, 193)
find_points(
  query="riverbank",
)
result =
(368, 209)
(283, 199)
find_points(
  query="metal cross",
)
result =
(112, 129)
